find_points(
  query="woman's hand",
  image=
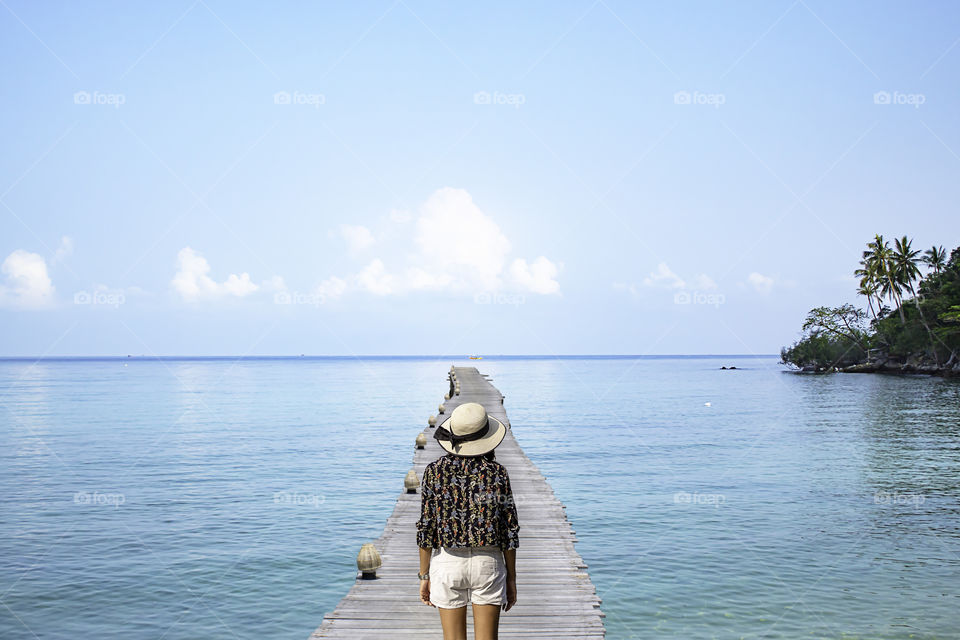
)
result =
(425, 592)
(511, 594)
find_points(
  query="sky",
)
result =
(204, 177)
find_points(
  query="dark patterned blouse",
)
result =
(467, 502)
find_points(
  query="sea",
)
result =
(216, 498)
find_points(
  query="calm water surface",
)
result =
(218, 499)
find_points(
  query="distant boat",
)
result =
(476, 357)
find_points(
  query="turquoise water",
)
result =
(183, 499)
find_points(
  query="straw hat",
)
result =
(469, 431)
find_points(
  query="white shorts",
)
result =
(459, 575)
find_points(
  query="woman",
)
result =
(468, 528)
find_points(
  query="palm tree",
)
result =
(869, 287)
(880, 259)
(905, 259)
(935, 258)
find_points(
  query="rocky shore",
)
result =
(913, 364)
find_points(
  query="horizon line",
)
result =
(384, 356)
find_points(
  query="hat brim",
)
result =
(480, 446)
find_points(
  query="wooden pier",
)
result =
(555, 598)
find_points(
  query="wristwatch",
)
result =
(423, 576)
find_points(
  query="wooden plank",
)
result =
(556, 598)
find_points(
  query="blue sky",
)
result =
(445, 178)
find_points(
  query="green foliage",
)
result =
(832, 337)
(921, 321)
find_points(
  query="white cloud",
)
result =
(358, 237)
(332, 287)
(26, 283)
(63, 251)
(193, 282)
(664, 277)
(458, 248)
(459, 244)
(761, 283)
(375, 279)
(538, 276)
(239, 285)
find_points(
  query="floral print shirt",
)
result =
(467, 502)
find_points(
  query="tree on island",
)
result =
(923, 334)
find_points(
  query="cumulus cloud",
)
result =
(761, 283)
(192, 280)
(459, 244)
(239, 285)
(332, 287)
(459, 248)
(375, 279)
(358, 237)
(538, 276)
(26, 282)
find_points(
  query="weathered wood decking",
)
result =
(555, 596)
